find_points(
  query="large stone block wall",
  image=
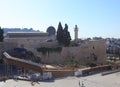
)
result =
(81, 54)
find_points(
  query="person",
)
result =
(4, 79)
(79, 84)
(82, 84)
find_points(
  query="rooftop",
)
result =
(26, 34)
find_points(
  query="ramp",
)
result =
(28, 65)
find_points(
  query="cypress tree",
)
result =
(63, 36)
(67, 36)
(60, 33)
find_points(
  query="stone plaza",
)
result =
(97, 80)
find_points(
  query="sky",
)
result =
(94, 18)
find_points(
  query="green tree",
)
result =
(60, 33)
(63, 36)
(1, 35)
(66, 36)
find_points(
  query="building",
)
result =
(85, 52)
(76, 32)
(32, 40)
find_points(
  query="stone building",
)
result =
(85, 52)
(76, 33)
(31, 40)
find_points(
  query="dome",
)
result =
(51, 30)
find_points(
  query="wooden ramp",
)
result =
(28, 65)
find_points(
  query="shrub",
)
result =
(91, 64)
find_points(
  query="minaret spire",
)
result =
(76, 32)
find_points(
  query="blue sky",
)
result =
(93, 17)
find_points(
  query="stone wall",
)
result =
(5, 46)
(30, 42)
(88, 52)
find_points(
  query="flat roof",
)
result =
(26, 34)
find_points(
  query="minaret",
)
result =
(76, 32)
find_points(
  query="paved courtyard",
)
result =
(112, 80)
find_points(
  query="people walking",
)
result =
(82, 84)
(79, 84)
